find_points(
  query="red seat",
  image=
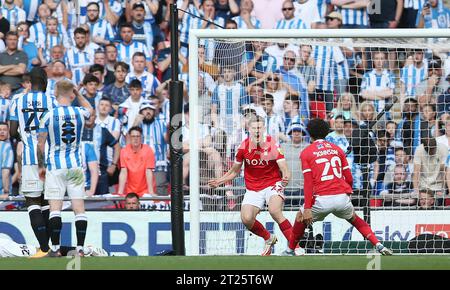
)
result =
(317, 109)
(376, 202)
(447, 201)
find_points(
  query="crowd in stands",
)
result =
(117, 53)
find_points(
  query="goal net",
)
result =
(396, 82)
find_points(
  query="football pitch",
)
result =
(335, 262)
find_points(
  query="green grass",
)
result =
(232, 263)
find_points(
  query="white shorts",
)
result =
(9, 248)
(31, 185)
(259, 198)
(58, 181)
(340, 205)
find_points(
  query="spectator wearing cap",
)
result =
(129, 109)
(154, 134)
(148, 80)
(434, 15)
(434, 85)
(145, 31)
(137, 163)
(412, 74)
(102, 31)
(353, 14)
(292, 149)
(128, 47)
(13, 62)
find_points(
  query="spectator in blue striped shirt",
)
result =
(5, 93)
(290, 21)
(412, 74)
(354, 13)
(257, 62)
(6, 160)
(51, 38)
(57, 73)
(245, 20)
(378, 85)
(102, 31)
(148, 80)
(13, 13)
(110, 10)
(154, 134)
(128, 47)
(118, 91)
(434, 15)
(79, 57)
(37, 30)
(410, 11)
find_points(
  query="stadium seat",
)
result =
(376, 202)
(317, 109)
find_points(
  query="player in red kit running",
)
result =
(264, 182)
(327, 185)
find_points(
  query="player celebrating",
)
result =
(25, 112)
(64, 127)
(263, 162)
(327, 185)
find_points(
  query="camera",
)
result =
(426, 5)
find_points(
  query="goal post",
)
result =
(201, 216)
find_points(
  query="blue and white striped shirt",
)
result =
(415, 4)
(13, 15)
(113, 126)
(125, 52)
(31, 8)
(64, 125)
(38, 32)
(153, 136)
(51, 85)
(322, 7)
(373, 81)
(4, 109)
(242, 25)
(101, 28)
(28, 110)
(294, 23)
(115, 6)
(411, 77)
(325, 57)
(354, 16)
(77, 59)
(6, 161)
(274, 125)
(187, 22)
(149, 82)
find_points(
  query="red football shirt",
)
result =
(260, 163)
(327, 163)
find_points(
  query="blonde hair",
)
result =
(353, 108)
(64, 88)
(366, 104)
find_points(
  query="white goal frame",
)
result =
(197, 34)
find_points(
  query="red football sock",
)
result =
(259, 230)
(365, 230)
(298, 230)
(286, 228)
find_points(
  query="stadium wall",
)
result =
(148, 233)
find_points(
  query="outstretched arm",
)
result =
(230, 175)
